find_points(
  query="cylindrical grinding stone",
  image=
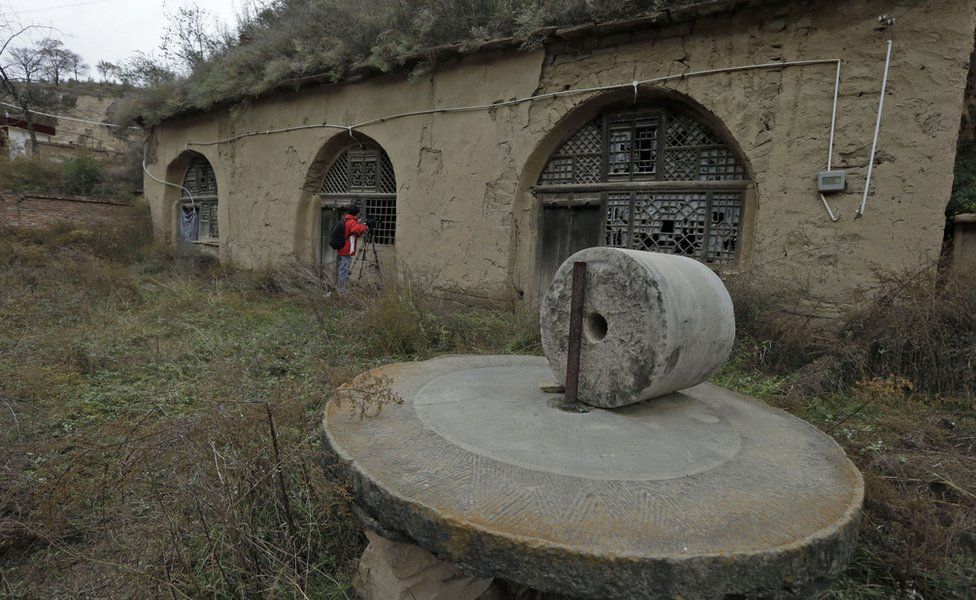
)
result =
(652, 324)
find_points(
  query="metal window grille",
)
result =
(383, 211)
(661, 146)
(363, 175)
(201, 182)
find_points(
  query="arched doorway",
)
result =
(361, 175)
(654, 176)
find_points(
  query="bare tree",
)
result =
(76, 65)
(26, 64)
(191, 38)
(18, 67)
(108, 71)
(55, 58)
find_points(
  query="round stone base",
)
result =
(703, 493)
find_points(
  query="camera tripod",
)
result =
(369, 246)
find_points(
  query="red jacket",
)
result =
(354, 229)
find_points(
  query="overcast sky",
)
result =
(107, 29)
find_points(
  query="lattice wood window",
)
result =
(661, 176)
(199, 196)
(703, 225)
(363, 175)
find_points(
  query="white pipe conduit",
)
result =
(513, 102)
(830, 146)
(145, 148)
(64, 118)
(550, 95)
(877, 129)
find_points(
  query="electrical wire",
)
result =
(589, 90)
(33, 10)
(59, 117)
(516, 101)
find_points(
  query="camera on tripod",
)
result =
(369, 247)
(370, 221)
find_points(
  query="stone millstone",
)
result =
(699, 494)
(652, 324)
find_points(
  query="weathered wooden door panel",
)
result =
(565, 230)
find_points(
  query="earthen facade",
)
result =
(469, 217)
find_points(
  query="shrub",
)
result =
(912, 327)
(963, 197)
(921, 330)
(83, 175)
(35, 174)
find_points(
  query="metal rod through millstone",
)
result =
(575, 333)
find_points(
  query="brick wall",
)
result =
(39, 211)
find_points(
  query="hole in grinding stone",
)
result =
(596, 327)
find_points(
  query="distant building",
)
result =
(15, 136)
(83, 107)
(698, 131)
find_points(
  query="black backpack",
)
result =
(337, 237)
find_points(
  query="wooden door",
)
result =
(567, 227)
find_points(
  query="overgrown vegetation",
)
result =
(963, 199)
(80, 174)
(202, 64)
(896, 387)
(159, 418)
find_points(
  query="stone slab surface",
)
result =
(699, 494)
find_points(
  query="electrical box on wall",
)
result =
(831, 181)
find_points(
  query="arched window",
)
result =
(198, 204)
(663, 181)
(363, 175)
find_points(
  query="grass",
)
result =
(81, 175)
(158, 420)
(894, 387)
(159, 423)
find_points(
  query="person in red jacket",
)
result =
(354, 231)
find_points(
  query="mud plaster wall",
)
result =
(456, 174)
(467, 219)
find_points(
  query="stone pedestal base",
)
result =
(391, 570)
(704, 493)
